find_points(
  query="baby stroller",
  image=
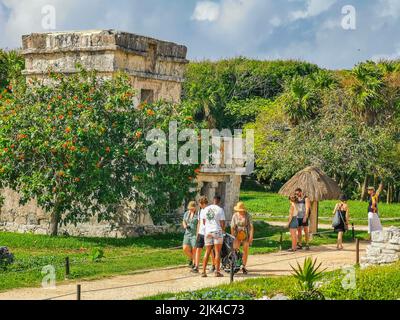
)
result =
(231, 259)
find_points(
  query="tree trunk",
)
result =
(364, 189)
(54, 221)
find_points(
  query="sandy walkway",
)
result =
(137, 286)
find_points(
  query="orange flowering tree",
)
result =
(78, 147)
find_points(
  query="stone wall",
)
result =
(384, 248)
(30, 218)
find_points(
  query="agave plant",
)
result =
(307, 276)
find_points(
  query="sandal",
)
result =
(219, 274)
(204, 275)
(291, 250)
(244, 270)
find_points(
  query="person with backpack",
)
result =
(341, 220)
(243, 230)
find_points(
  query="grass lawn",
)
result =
(272, 204)
(122, 256)
(375, 283)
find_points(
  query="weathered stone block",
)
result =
(395, 247)
(372, 251)
(388, 258)
(395, 240)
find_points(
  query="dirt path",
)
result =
(137, 286)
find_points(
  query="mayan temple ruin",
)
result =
(156, 69)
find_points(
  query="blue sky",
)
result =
(266, 29)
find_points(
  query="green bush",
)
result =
(374, 283)
(97, 254)
(215, 294)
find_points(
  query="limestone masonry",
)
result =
(384, 247)
(156, 67)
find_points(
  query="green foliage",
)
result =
(214, 294)
(78, 147)
(215, 91)
(373, 283)
(307, 276)
(11, 66)
(97, 254)
(329, 120)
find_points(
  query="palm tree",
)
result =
(367, 91)
(300, 100)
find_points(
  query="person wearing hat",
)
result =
(189, 223)
(374, 223)
(342, 212)
(243, 230)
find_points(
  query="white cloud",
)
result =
(313, 8)
(390, 8)
(206, 11)
(25, 16)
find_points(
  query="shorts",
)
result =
(374, 222)
(301, 223)
(214, 238)
(189, 240)
(200, 241)
(294, 224)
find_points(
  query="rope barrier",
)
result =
(257, 215)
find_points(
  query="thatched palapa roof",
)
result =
(314, 183)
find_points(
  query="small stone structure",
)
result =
(156, 69)
(384, 248)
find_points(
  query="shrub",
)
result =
(307, 276)
(6, 258)
(97, 254)
(215, 294)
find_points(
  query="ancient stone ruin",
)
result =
(156, 69)
(384, 248)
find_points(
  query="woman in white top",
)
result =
(293, 222)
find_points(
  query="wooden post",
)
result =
(353, 233)
(280, 241)
(314, 217)
(66, 267)
(357, 251)
(78, 292)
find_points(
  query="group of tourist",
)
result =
(300, 209)
(205, 227)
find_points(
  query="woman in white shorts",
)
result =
(213, 218)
